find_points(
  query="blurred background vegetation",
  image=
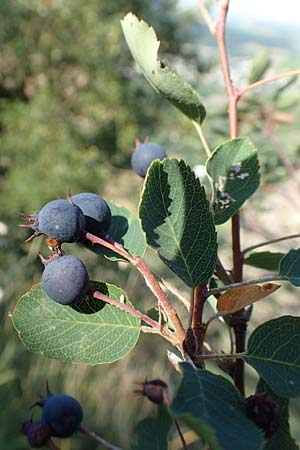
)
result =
(71, 106)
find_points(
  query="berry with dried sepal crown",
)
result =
(62, 413)
(58, 219)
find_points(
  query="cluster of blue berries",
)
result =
(65, 278)
(61, 417)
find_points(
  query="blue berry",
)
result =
(65, 279)
(143, 156)
(63, 414)
(96, 211)
(58, 219)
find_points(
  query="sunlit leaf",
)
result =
(143, 44)
(92, 332)
(177, 221)
(234, 170)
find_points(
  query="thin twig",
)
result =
(184, 444)
(202, 138)
(133, 312)
(98, 439)
(288, 73)
(220, 356)
(271, 241)
(206, 17)
(175, 292)
(227, 287)
(150, 280)
(154, 327)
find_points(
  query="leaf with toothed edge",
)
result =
(92, 332)
(143, 45)
(273, 351)
(177, 221)
(214, 409)
(234, 171)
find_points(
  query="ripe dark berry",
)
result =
(58, 219)
(65, 279)
(263, 410)
(63, 414)
(143, 156)
(96, 211)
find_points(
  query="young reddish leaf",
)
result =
(240, 297)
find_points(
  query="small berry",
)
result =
(155, 390)
(96, 211)
(58, 219)
(63, 414)
(264, 412)
(65, 279)
(143, 156)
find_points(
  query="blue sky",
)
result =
(284, 12)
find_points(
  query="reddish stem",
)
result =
(198, 327)
(239, 322)
(150, 280)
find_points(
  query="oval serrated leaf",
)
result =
(273, 351)
(264, 260)
(143, 45)
(92, 332)
(236, 299)
(213, 408)
(233, 168)
(289, 267)
(177, 221)
(125, 229)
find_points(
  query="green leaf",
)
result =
(92, 332)
(282, 439)
(213, 408)
(289, 267)
(264, 260)
(260, 65)
(177, 221)
(125, 229)
(273, 351)
(152, 432)
(143, 45)
(233, 168)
